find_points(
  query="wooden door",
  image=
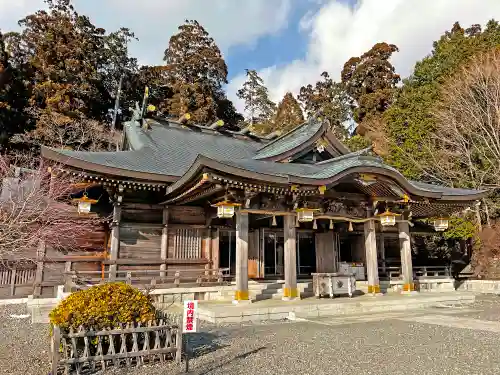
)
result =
(253, 255)
(326, 249)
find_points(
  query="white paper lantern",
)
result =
(305, 215)
(387, 219)
(441, 224)
(225, 210)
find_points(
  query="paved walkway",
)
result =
(224, 312)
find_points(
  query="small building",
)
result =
(203, 200)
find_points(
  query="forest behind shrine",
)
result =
(60, 76)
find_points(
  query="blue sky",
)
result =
(290, 42)
(277, 49)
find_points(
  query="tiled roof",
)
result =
(290, 140)
(163, 150)
(168, 150)
(444, 189)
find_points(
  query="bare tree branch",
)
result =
(35, 205)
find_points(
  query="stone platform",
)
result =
(223, 312)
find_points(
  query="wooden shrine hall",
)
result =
(276, 207)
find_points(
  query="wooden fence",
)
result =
(147, 278)
(419, 272)
(128, 345)
(16, 282)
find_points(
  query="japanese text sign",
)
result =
(190, 316)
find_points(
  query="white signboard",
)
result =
(190, 317)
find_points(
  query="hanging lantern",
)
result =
(84, 204)
(274, 221)
(350, 229)
(388, 218)
(305, 215)
(331, 224)
(225, 209)
(315, 225)
(440, 224)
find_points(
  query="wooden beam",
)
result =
(170, 261)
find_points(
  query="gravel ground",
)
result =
(372, 348)
(23, 346)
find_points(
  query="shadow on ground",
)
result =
(216, 365)
(203, 343)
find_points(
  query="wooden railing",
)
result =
(148, 278)
(128, 345)
(11, 279)
(424, 272)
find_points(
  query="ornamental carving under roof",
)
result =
(342, 208)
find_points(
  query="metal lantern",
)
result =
(441, 224)
(84, 204)
(305, 215)
(387, 218)
(225, 209)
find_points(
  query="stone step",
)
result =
(268, 291)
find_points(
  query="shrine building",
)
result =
(279, 207)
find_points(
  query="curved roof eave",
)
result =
(204, 162)
(292, 151)
(56, 156)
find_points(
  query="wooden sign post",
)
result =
(189, 325)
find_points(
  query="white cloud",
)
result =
(338, 31)
(229, 22)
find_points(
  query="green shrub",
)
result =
(103, 306)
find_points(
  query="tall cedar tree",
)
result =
(254, 93)
(409, 121)
(331, 99)
(14, 98)
(196, 72)
(65, 51)
(72, 67)
(370, 81)
(289, 114)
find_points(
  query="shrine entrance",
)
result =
(227, 248)
(272, 253)
(273, 244)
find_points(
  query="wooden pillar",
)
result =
(241, 257)
(290, 291)
(37, 292)
(371, 257)
(115, 240)
(164, 241)
(13, 281)
(406, 262)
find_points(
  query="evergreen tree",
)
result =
(288, 115)
(410, 120)
(73, 68)
(370, 81)
(254, 93)
(14, 96)
(331, 99)
(196, 72)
